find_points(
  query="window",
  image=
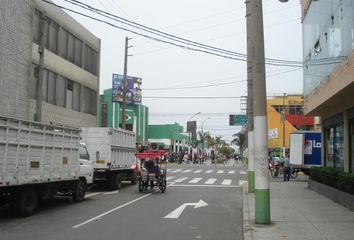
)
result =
(78, 52)
(45, 86)
(90, 64)
(63, 43)
(334, 152)
(52, 36)
(93, 102)
(51, 87)
(83, 153)
(76, 97)
(351, 145)
(36, 25)
(61, 91)
(69, 94)
(33, 81)
(86, 97)
(71, 48)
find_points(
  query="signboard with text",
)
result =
(238, 120)
(133, 94)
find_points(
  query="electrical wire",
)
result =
(206, 48)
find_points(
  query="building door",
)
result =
(351, 146)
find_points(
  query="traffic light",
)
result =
(231, 120)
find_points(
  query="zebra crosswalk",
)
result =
(180, 170)
(199, 180)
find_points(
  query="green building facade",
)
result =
(168, 136)
(110, 115)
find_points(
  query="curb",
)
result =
(247, 226)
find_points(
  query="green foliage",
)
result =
(226, 150)
(334, 178)
(240, 140)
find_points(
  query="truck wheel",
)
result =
(115, 183)
(134, 179)
(141, 186)
(79, 191)
(25, 202)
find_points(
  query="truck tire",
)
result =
(115, 182)
(25, 202)
(79, 191)
(134, 179)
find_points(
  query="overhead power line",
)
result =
(181, 42)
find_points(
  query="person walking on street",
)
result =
(287, 168)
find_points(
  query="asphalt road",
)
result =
(201, 202)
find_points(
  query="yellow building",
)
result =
(285, 115)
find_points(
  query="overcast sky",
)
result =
(218, 23)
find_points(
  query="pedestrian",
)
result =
(287, 168)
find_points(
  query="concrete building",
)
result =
(169, 136)
(71, 62)
(110, 115)
(285, 115)
(329, 76)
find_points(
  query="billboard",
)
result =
(133, 95)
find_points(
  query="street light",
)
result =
(194, 115)
(203, 133)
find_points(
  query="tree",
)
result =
(240, 140)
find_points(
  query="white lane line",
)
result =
(243, 173)
(226, 182)
(113, 192)
(186, 171)
(177, 170)
(232, 172)
(195, 180)
(110, 211)
(209, 171)
(211, 186)
(169, 178)
(168, 170)
(220, 171)
(198, 171)
(210, 181)
(92, 194)
(181, 179)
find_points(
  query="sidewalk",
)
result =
(298, 213)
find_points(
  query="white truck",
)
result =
(40, 160)
(113, 155)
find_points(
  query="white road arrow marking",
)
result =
(178, 211)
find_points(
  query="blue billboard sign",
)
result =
(133, 94)
(312, 148)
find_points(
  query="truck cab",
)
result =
(86, 166)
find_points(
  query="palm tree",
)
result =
(203, 136)
(240, 140)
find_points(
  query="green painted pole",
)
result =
(262, 192)
(251, 180)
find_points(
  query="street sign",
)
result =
(238, 120)
(178, 211)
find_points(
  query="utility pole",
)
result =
(283, 119)
(125, 82)
(42, 41)
(262, 192)
(250, 175)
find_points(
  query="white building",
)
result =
(71, 62)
